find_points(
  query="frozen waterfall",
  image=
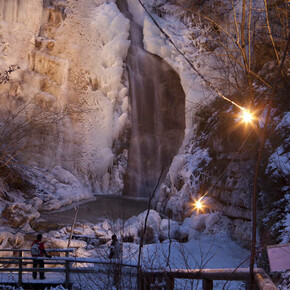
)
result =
(157, 114)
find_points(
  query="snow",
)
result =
(153, 220)
(167, 224)
(185, 167)
(77, 167)
(286, 221)
(279, 257)
(105, 125)
(279, 167)
(279, 162)
(156, 43)
(176, 166)
(84, 71)
(205, 251)
(57, 188)
(208, 245)
(62, 243)
(137, 11)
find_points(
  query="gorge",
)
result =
(99, 102)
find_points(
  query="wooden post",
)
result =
(20, 269)
(169, 283)
(67, 266)
(207, 284)
(141, 281)
(67, 270)
(73, 226)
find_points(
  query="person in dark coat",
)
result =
(115, 255)
(39, 263)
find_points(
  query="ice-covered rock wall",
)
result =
(213, 160)
(195, 169)
(71, 57)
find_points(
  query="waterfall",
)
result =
(157, 114)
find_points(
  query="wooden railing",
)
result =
(148, 279)
(65, 264)
(151, 279)
(21, 261)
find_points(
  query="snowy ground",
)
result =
(207, 251)
(209, 246)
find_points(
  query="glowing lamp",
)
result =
(198, 205)
(247, 116)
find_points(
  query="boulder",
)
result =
(18, 214)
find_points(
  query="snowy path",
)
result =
(217, 251)
(51, 278)
(207, 251)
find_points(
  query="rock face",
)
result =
(214, 165)
(71, 67)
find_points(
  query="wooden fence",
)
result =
(147, 279)
(23, 264)
(155, 279)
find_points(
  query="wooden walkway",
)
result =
(28, 282)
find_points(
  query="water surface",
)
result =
(94, 211)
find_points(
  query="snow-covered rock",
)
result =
(170, 229)
(18, 214)
(153, 220)
(62, 243)
(204, 223)
(10, 240)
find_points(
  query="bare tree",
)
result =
(255, 37)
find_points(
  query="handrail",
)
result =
(70, 250)
(66, 261)
(262, 280)
(210, 274)
(207, 276)
(72, 260)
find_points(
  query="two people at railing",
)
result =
(38, 250)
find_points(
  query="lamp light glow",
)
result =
(247, 116)
(198, 205)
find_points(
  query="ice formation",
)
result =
(71, 64)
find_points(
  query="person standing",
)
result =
(38, 250)
(115, 248)
(115, 253)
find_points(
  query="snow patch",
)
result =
(56, 188)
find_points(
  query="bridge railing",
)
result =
(20, 264)
(21, 261)
(148, 279)
(151, 279)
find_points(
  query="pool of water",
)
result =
(94, 211)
